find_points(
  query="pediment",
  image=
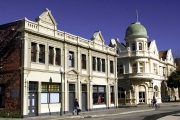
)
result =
(98, 38)
(46, 19)
(72, 72)
(153, 46)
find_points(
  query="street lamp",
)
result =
(61, 72)
(152, 90)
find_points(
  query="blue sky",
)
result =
(112, 17)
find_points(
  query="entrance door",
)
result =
(32, 106)
(84, 97)
(141, 97)
(32, 99)
(71, 97)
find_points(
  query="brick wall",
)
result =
(10, 76)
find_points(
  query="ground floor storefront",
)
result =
(141, 91)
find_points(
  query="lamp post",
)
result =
(61, 72)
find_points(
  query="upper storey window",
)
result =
(111, 67)
(140, 46)
(155, 68)
(134, 68)
(33, 51)
(133, 46)
(42, 53)
(71, 59)
(51, 55)
(58, 56)
(103, 65)
(141, 67)
(83, 61)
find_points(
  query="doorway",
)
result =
(141, 97)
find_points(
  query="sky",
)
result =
(161, 18)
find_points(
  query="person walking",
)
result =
(154, 101)
(76, 107)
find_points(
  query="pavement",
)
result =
(106, 112)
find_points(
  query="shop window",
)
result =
(99, 94)
(50, 93)
(121, 92)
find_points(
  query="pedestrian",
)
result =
(154, 101)
(76, 107)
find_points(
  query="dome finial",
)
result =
(137, 16)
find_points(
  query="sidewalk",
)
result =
(97, 113)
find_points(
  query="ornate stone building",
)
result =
(31, 82)
(142, 69)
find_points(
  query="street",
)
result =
(141, 115)
(140, 112)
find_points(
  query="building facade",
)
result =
(31, 81)
(142, 69)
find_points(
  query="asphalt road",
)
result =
(146, 115)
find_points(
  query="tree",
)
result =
(174, 79)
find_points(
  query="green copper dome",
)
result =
(136, 30)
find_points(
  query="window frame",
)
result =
(41, 53)
(99, 95)
(33, 51)
(83, 61)
(58, 57)
(111, 66)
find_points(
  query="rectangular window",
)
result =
(155, 68)
(98, 64)
(141, 67)
(83, 61)
(111, 67)
(33, 51)
(99, 94)
(50, 93)
(94, 63)
(2, 96)
(58, 56)
(121, 71)
(41, 53)
(71, 59)
(112, 94)
(103, 65)
(51, 55)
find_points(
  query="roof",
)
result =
(136, 30)
(162, 54)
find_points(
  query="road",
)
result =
(146, 115)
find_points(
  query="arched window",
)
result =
(133, 46)
(140, 46)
